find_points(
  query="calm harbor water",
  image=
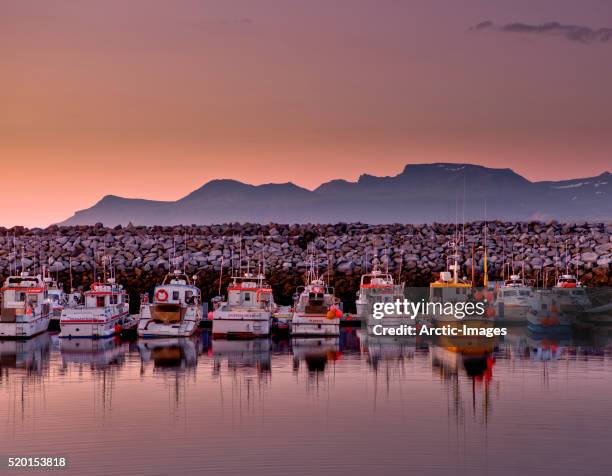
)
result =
(353, 405)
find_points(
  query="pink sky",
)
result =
(154, 98)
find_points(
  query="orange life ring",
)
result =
(161, 295)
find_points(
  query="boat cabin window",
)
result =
(114, 299)
(190, 297)
(524, 293)
(19, 296)
(509, 293)
(247, 296)
(175, 295)
(99, 301)
(317, 296)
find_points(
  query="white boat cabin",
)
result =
(23, 294)
(376, 279)
(568, 281)
(177, 288)
(105, 295)
(250, 292)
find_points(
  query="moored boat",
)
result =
(25, 310)
(379, 287)
(176, 309)
(570, 293)
(247, 310)
(548, 318)
(316, 309)
(106, 307)
(514, 301)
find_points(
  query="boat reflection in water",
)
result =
(315, 351)
(386, 348)
(546, 348)
(474, 401)
(30, 355)
(242, 354)
(98, 353)
(458, 357)
(170, 352)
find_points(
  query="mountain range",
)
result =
(421, 193)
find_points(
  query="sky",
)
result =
(153, 98)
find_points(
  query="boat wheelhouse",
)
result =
(514, 301)
(316, 308)
(247, 311)
(176, 309)
(25, 309)
(571, 295)
(379, 287)
(104, 311)
(449, 288)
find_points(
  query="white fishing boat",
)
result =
(25, 310)
(570, 293)
(56, 297)
(247, 311)
(379, 287)
(316, 309)
(104, 311)
(176, 309)
(514, 301)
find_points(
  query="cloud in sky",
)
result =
(578, 33)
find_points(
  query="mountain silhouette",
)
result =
(421, 193)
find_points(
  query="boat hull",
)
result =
(150, 328)
(240, 328)
(24, 330)
(314, 326)
(241, 325)
(91, 323)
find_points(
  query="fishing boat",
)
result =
(57, 299)
(247, 310)
(316, 309)
(176, 309)
(105, 308)
(448, 288)
(514, 301)
(570, 293)
(548, 317)
(25, 310)
(379, 287)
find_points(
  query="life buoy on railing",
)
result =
(161, 295)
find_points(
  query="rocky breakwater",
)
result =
(142, 255)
